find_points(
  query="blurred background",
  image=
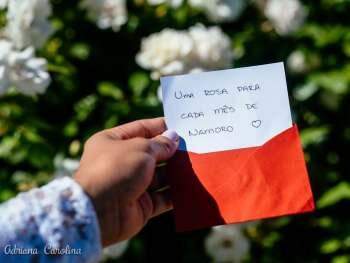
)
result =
(71, 68)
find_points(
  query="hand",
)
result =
(117, 168)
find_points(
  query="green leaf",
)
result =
(314, 135)
(335, 81)
(330, 246)
(80, 51)
(271, 239)
(341, 259)
(325, 222)
(324, 35)
(334, 195)
(138, 82)
(32, 136)
(305, 92)
(109, 89)
(6, 194)
(71, 129)
(85, 106)
(39, 155)
(111, 122)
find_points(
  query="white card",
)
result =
(227, 109)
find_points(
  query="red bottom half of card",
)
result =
(240, 185)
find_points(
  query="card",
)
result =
(240, 156)
(227, 109)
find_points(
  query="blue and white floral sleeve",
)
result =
(54, 223)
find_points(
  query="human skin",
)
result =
(117, 169)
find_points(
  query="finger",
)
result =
(161, 202)
(146, 204)
(147, 128)
(164, 146)
(159, 178)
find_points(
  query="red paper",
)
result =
(240, 185)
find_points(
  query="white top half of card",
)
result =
(227, 109)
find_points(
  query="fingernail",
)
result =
(171, 135)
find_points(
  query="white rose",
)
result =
(107, 13)
(116, 250)
(166, 52)
(220, 10)
(227, 244)
(22, 70)
(212, 47)
(65, 166)
(173, 3)
(28, 73)
(287, 16)
(3, 4)
(172, 52)
(296, 62)
(5, 49)
(27, 22)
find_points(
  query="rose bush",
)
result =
(71, 68)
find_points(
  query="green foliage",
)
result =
(334, 195)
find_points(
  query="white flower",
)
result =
(27, 22)
(65, 166)
(166, 52)
(28, 73)
(22, 70)
(215, 10)
(172, 52)
(3, 4)
(159, 93)
(212, 47)
(107, 13)
(173, 3)
(116, 250)
(296, 62)
(227, 244)
(5, 49)
(287, 16)
(220, 10)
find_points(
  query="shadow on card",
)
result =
(179, 171)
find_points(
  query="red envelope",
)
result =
(240, 185)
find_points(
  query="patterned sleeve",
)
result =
(54, 223)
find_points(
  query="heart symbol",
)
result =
(256, 124)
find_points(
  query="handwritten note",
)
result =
(227, 109)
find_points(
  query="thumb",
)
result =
(164, 145)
